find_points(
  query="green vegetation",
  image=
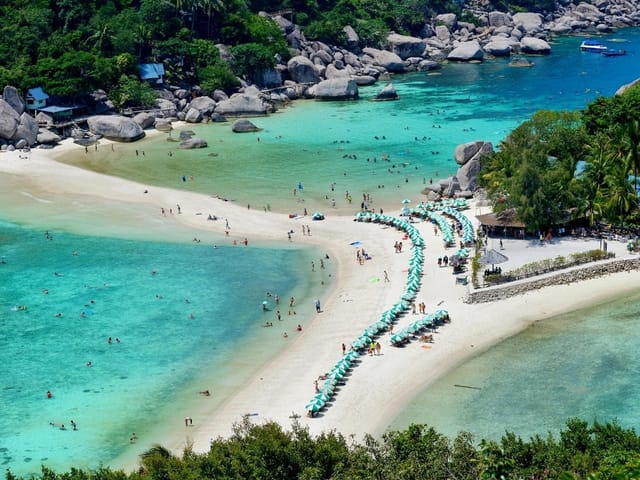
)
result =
(71, 48)
(560, 166)
(581, 451)
(548, 265)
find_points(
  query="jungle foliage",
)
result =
(70, 47)
(559, 166)
(604, 451)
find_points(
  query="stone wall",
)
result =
(575, 275)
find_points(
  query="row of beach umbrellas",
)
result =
(468, 235)
(387, 318)
(457, 203)
(430, 321)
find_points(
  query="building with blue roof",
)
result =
(36, 98)
(151, 72)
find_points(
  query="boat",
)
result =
(592, 46)
(613, 52)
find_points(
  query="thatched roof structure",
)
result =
(503, 219)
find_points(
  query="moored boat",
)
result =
(592, 46)
(613, 52)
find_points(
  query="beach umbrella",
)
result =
(406, 201)
(493, 257)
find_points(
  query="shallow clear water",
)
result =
(164, 355)
(319, 144)
(584, 364)
(191, 316)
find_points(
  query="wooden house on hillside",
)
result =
(36, 99)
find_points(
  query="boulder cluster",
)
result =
(469, 156)
(327, 72)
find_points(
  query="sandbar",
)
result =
(378, 388)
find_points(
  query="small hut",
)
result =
(503, 224)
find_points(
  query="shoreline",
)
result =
(381, 384)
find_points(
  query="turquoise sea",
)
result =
(387, 149)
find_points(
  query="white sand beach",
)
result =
(380, 385)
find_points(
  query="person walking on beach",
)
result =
(386, 276)
(318, 306)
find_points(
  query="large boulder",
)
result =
(449, 20)
(405, 46)
(115, 127)
(387, 93)
(12, 97)
(466, 151)
(470, 157)
(44, 118)
(193, 116)
(302, 70)
(387, 60)
(467, 175)
(588, 12)
(335, 89)
(163, 125)
(467, 51)
(205, 105)
(193, 143)
(333, 72)
(534, 46)
(499, 19)
(498, 47)
(9, 120)
(144, 119)
(364, 80)
(250, 102)
(167, 107)
(47, 137)
(244, 126)
(27, 129)
(352, 37)
(529, 22)
(443, 36)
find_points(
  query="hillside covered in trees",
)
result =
(72, 47)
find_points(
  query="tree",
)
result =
(534, 169)
(131, 92)
(250, 59)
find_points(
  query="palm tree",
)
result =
(621, 194)
(103, 38)
(599, 160)
(210, 7)
(632, 148)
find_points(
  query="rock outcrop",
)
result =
(335, 89)
(244, 126)
(302, 70)
(405, 46)
(250, 102)
(27, 130)
(193, 142)
(9, 120)
(534, 46)
(466, 51)
(12, 97)
(387, 93)
(387, 60)
(115, 127)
